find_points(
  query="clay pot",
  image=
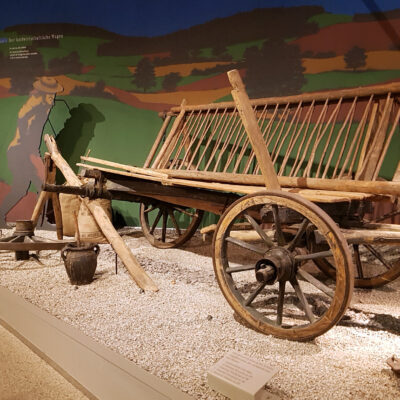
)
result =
(80, 262)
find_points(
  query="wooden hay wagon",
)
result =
(296, 181)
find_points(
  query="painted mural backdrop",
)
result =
(101, 91)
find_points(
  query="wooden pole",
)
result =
(157, 142)
(171, 136)
(136, 271)
(372, 157)
(130, 168)
(51, 171)
(372, 187)
(57, 215)
(253, 130)
(43, 196)
(396, 177)
(364, 149)
(50, 178)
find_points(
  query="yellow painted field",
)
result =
(376, 60)
(69, 84)
(317, 65)
(5, 82)
(381, 60)
(183, 69)
(192, 97)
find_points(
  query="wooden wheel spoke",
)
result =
(147, 210)
(313, 256)
(181, 230)
(183, 211)
(259, 230)
(306, 307)
(292, 245)
(156, 221)
(8, 239)
(38, 239)
(240, 269)
(293, 303)
(175, 223)
(36, 258)
(278, 226)
(358, 261)
(281, 298)
(378, 255)
(245, 245)
(252, 297)
(315, 282)
(164, 226)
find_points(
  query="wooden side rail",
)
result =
(341, 134)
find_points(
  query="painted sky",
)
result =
(158, 17)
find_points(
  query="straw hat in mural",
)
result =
(48, 85)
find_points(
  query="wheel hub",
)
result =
(277, 265)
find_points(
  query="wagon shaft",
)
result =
(136, 271)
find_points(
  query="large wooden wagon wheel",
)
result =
(166, 225)
(374, 264)
(272, 284)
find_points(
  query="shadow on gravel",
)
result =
(372, 321)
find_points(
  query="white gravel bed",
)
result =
(180, 331)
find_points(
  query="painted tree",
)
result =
(171, 81)
(221, 52)
(273, 70)
(144, 76)
(179, 53)
(355, 58)
(219, 49)
(195, 53)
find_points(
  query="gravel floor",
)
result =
(179, 332)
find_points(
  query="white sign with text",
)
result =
(240, 377)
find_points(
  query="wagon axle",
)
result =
(278, 264)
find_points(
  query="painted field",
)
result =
(383, 60)
(183, 69)
(376, 60)
(318, 65)
(192, 97)
(70, 84)
(340, 38)
(161, 101)
(5, 83)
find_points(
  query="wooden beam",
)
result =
(366, 236)
(130, 262)
(166, 146)
(254, 133)
(343, 185)
(124, 167)
(396, 177)
(50, 178)
(371, 236)
(37, 211)
(374, 152)
(157, 142)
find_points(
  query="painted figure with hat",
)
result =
(23, 156)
